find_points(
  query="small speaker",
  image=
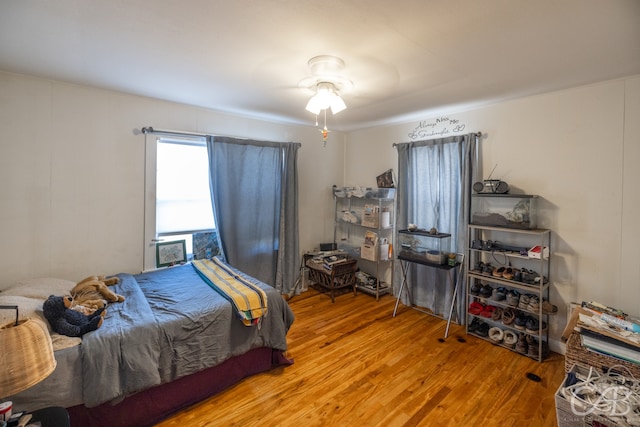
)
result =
(491, 186)
(478, 187)
(502, 187)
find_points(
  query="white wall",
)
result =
(578, 150)
(72, 169)
(73, 175)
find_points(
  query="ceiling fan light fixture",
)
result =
(337, 104)
(326, 97)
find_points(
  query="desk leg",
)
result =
(403, 265)
(454, 298)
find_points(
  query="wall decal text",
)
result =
(438, 127)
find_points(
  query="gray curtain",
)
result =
(254, 191)
(435, 179)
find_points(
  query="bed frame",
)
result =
(153, 405)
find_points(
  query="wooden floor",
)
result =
(356, 365)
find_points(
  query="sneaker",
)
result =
(517, 275)
(483, 330)
(475, 323)
(478, 267)
(527, 276)
(486, 291)
(521, 322)
(533, 326)
(499, 294)
(524, 302)
(521, 345)
(534, 304)
(488, 269)
(538, 279)
(513, 298)
(475, 288)
(533, 347)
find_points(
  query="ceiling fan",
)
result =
(327, 82)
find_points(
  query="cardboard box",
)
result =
(369, 252)
(371, 216)
(538, 252)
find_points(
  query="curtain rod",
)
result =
(477, 134)
(148, 129)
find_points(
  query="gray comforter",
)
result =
(171, 324)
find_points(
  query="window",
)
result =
(183, 198)
(178, 201)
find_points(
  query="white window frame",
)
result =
(150, 233)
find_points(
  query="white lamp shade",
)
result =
(325, 97)
(337, 104)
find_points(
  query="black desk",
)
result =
(450, 269)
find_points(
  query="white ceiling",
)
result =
(406, 58)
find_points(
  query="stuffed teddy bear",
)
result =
(93, 293)
(66, 321)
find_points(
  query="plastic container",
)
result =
(504, 210)
(423, 246)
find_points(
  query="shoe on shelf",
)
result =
(537, 279)
(475, 323)
(510, 338)
(486, 291)
(478, 267)
(498, 272)
(497, 314)
(517, 275)
(508, 316)
(533, 349)
(476, 308)
(508, 273)
(513, 298)
(524, 302)
(532, 326)
(483, 330)
(534, 304)
(475, 288)
(548, 308)
(527, 276)
(487, 311)
(488, 269)
(496, 334)
(521, 322)
(521, 345)
(499, 294)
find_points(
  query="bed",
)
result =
(174, 341)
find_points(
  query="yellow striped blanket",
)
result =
(249, 301)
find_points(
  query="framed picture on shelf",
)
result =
(385, 179)
(170, 253)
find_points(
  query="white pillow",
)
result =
(40, 288)
(27, 307)
(32, 308)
